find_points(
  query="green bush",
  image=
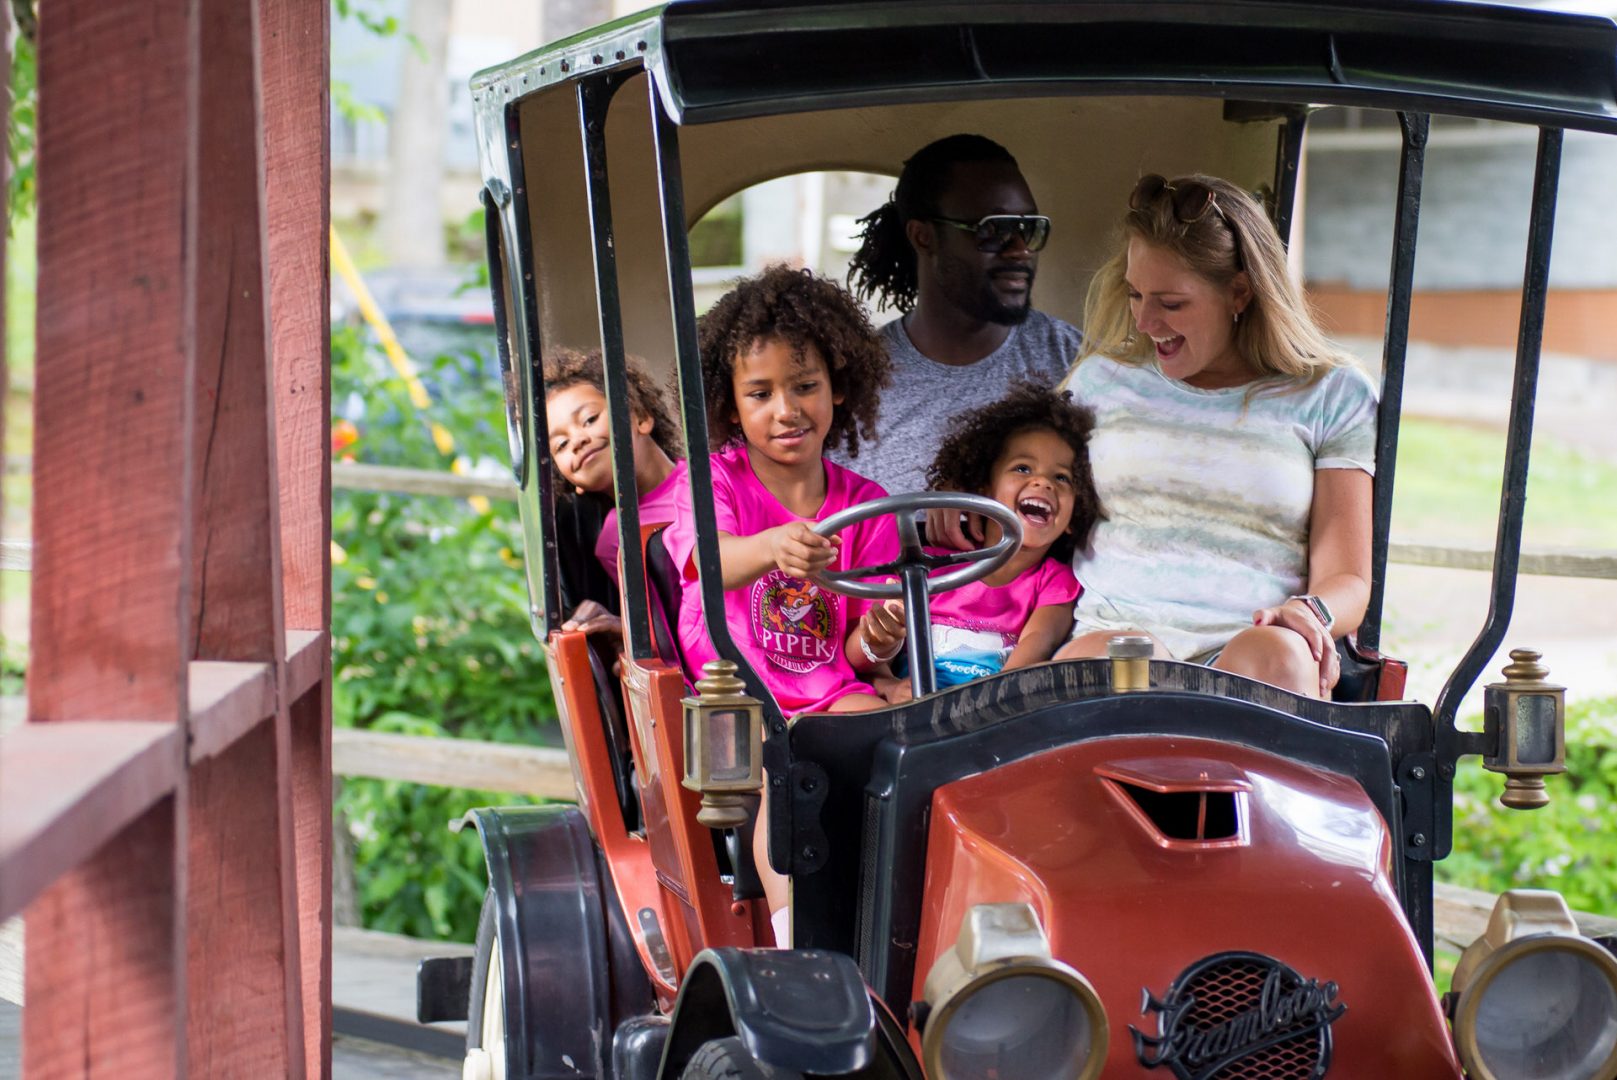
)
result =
(1569, 846)
(430, 633)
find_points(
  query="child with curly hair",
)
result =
(581, 455)
(791, 369)
(1028, 451)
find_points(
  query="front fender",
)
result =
(570, 973)
(801, 1009)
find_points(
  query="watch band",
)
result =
(1321, 610)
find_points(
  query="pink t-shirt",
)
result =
(975, 627)
(791, 631)
(656, 508)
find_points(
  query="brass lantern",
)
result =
(1526, 719)
(723, 745)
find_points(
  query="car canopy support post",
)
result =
(528, 348)
(594, 96)
(693, 407)
(1400, 290)
(1513, 492)
(1288, 161)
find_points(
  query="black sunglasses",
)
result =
(996, 231)
(1191, 201)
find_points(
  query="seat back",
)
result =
(664, 590)
(1367, 675)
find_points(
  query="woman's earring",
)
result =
(1235, 317)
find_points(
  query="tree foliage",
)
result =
(1569, 846)
(20, 127)
(430, 632)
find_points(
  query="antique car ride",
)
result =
(1120, 867)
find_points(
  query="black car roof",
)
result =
(723, 59)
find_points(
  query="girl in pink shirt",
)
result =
(791, 366)
(581, 453)
(1027, 451)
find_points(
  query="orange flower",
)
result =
(343, 435)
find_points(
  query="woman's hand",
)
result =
(593, 618)
(801, 552)
(1299, 618)
(882, 628)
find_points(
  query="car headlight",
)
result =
(998, 1005)
(1533, 998)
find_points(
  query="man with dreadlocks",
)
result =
(955, 251)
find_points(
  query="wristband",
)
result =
(870, 654)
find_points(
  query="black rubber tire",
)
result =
(480, 965)
(727, 1059)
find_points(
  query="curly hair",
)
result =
(884, 265)
(976, 439)
(801, 309)
(566, 367)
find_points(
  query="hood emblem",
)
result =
(1240, 1007)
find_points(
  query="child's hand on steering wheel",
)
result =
(882, 628)
(801, 552)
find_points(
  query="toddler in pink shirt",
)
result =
(1029, 452)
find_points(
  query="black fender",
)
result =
(571, 969)
(802, 1009)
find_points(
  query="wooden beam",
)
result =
(227, 701)
(112, 400)
(66, 789)
(105, 978)
(246, 1007)
(297, 169)
(311, 798)
(464, 763)
(113, 415)
(296, 79)
(245, 1004)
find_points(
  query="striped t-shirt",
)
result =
(1207, 494)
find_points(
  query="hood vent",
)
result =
(1182, 803)
(1188, 815)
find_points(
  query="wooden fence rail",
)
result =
(349, 476)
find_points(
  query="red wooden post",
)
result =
(112, 467)
(296, 80)
(246, 1010)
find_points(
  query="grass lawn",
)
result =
(1447, 489)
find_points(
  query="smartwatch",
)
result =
(1321, 610)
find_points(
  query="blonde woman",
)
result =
(1233, 449)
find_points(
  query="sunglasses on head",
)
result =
(1191, 201)
(996, 231)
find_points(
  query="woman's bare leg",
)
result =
(1274, 655)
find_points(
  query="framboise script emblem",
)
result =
(1234, 1006)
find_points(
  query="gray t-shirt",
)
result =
(925, 395)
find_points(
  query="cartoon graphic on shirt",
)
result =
(961, 655)
(795, 622)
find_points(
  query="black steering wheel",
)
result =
(914, 565)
